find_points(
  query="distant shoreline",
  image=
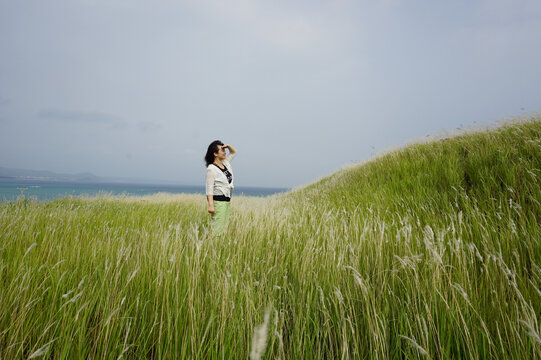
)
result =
(47, 190)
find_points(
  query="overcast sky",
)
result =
(132, 88)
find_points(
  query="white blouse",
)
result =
(217, 183)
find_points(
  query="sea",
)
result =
(43, 191)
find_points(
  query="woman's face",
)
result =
(221, 154)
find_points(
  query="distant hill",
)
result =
(43, 175)
(11, 174)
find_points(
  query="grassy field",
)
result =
(430, 251)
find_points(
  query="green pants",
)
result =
(220, 219)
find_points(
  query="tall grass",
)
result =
(432, 251)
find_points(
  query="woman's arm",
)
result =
(210, 190)
(232, 152)
(210, 200)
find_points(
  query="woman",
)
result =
(219, 184)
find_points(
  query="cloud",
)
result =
(507, 12)
(81, 117)
(286, 29)
(3, 104)
(146, 126)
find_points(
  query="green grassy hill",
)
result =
(460, 214)
(431, 251)
(491, 167)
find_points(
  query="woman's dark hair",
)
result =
(213, 148)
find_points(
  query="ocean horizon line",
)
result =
(46, 190)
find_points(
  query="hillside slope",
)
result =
(494, 169)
